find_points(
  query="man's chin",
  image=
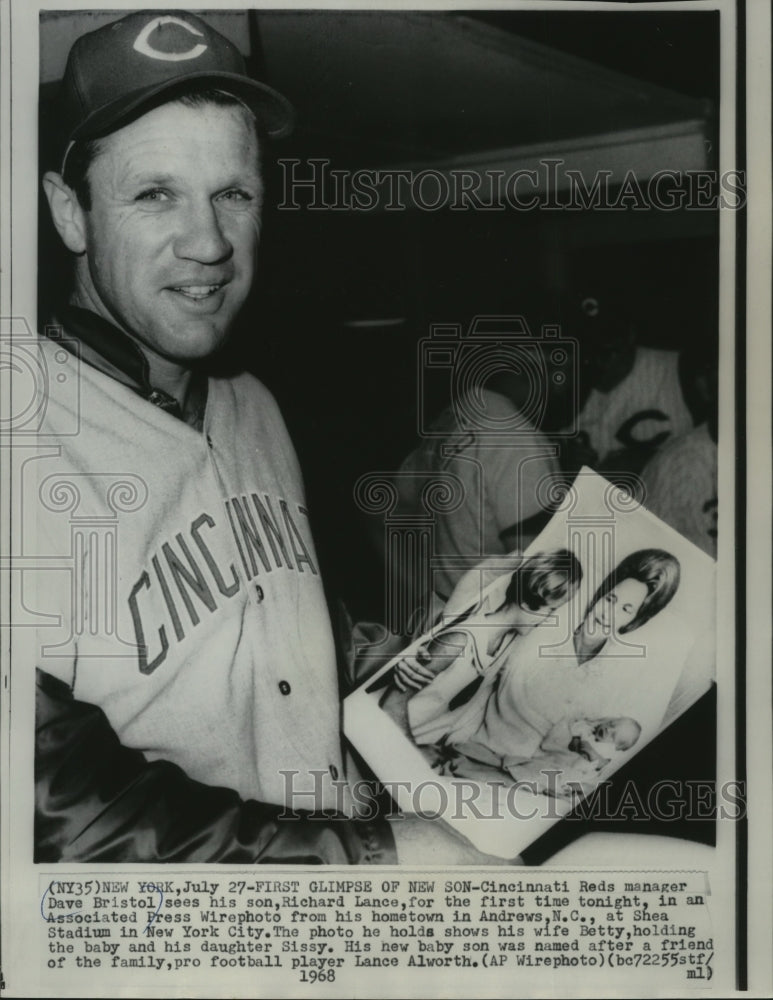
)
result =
(190, 344)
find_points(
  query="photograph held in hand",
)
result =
(515, 707)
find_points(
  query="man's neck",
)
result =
(169, 376)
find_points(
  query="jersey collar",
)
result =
(107, 348)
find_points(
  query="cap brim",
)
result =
(273, 111)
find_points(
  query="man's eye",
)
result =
(153, 194)
(628, 608)
(236, 195)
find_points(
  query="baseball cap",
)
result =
(115, 71)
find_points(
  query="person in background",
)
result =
(680, 481)
(503, 507)
(632, 397)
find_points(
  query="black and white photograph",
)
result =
(385, 467)
(195, 646)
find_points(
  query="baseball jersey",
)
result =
(681, 487)
(498, 476)
(646, 409)
(183, 574)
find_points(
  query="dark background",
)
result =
(350, 394)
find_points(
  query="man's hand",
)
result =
(424, 842)
(412, 672)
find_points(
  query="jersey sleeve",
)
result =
(96, 800)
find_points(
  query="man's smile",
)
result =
(199, 290)
(208, 297)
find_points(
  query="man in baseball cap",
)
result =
(183, 720)
(119, 70)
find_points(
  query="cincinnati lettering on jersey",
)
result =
(184, 580)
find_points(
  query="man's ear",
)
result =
(66, 212)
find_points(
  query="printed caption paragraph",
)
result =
(329, 930)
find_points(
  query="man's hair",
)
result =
(548, 578)
(82, 153)
(657, 570)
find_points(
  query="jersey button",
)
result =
(259, 592)
(333, 772)
(284, 687)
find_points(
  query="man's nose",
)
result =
(202, 238)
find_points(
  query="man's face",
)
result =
(172, 234)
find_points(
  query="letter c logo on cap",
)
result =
(143, 45)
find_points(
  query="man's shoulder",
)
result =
(245, 386)
(500, 414)
(246, 401)
(245, 391)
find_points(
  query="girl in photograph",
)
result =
(465, 651)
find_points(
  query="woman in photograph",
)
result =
(537, 686)
(639, 587)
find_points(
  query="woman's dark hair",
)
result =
(82, 153)
(657, 570)
(548, 578)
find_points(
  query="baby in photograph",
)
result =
(568, 761)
